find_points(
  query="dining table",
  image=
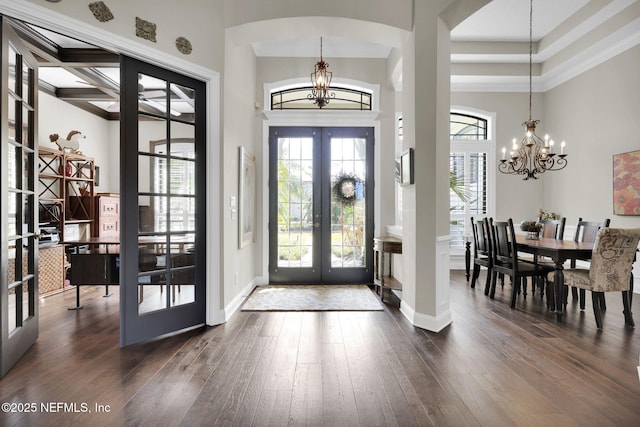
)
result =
(559, 251)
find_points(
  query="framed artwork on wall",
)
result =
(406, 167)
(626, 183)
(247, 181)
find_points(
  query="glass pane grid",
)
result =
(468, 175)
(348, 174)
(295, 202)
(166, 196)
(463, 126)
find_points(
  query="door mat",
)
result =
(312, 298)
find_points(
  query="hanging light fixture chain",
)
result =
(530, 56)
(532, 156)
(321, 82)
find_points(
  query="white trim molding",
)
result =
(442, 317)
(236, 303)
(423, 321)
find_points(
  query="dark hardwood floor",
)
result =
(493, 366)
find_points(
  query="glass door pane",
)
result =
(294, 213)
(348, 202)
(295, 202)
(166, 191)
(347, 205)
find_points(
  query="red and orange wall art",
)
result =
(626, 183)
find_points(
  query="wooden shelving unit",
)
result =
(67, 187)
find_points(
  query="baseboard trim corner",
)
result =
(424, 321)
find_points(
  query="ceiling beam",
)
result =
(83, 94)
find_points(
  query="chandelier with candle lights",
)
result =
(532, 155)
(320, 82)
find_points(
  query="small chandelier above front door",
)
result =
(320, 83)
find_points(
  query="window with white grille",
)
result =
(472, 155)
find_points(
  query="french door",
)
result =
(18, 200)
(321, 205)
(163, 137)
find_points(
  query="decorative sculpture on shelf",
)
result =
(72, 143)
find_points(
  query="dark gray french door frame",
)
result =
(163, 223)
(19, 294)
(321, 219)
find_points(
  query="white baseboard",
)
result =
(215, 317)
(430, 323)
(235, 303)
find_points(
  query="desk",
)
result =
(559, 251)
(101, 264)
(96, 267)
(384, 278)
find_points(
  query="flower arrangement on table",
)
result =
(532, 228)
(544, 214)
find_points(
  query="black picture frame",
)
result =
(406, 167)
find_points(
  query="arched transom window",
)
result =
(342, 99)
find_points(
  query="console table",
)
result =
(383, 250)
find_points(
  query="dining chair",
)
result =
(586, 231)
(613, 254)
(506, 261)
(551, 229)
(481, 250)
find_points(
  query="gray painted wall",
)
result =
(597, 114)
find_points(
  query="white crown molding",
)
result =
(617, 43)
(596, 54)
(495, 84)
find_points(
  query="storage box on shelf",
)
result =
(107, 208)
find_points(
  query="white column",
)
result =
(426, 105)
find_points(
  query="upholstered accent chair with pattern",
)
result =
(610, 271)
(586, 231)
